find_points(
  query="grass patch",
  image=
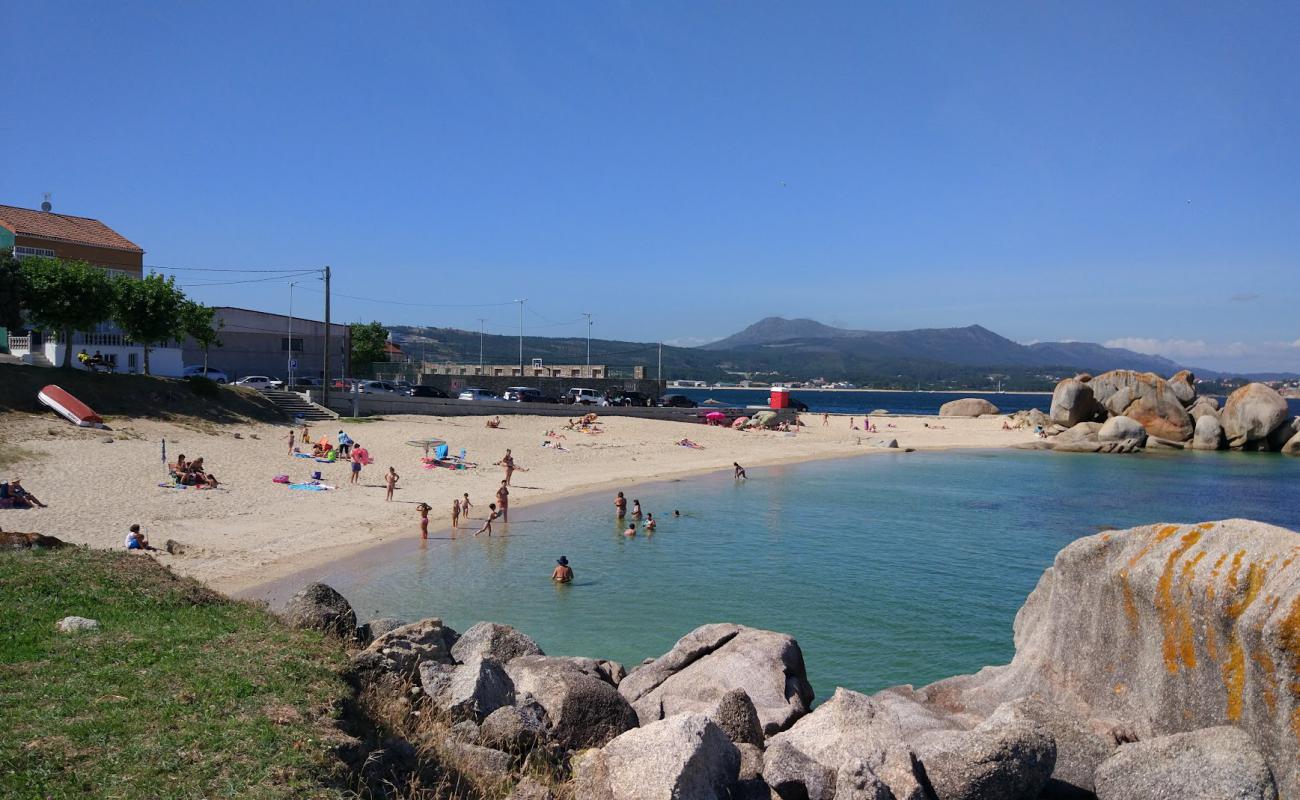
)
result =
(181, 693)
(135, 395)
(12, 454)
(360, 420)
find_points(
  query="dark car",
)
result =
(428, 391)
(630, 399)
(799, 405)
(527, 394)
(676, 401)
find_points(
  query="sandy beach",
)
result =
(251, 530)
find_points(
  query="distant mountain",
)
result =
(972, 346)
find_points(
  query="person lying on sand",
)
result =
(495, 422)
(689, 443)
(935, 427)
(562, 573)
(210, 481)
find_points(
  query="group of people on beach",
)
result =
(192, 473)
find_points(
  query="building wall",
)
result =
(548, 386)
(132, 263)
(568, 371)
(256, 343)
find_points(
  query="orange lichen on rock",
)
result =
(1289, 639)
(1130, 603)
(1178, 646)
(1234, 668)
(1214, 575)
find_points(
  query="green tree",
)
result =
(65, 296)
(148, 310)
(368, 341)
(196, 323)
(12, 283)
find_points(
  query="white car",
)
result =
(477, 394)
(378, 387)
(200, 371)
(583, 397)
(259, 382)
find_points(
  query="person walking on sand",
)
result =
(390, 480)
(356, 466)
(740, 472)
(455, 512)
(563, 573)
(826, 420)
(424, 509)
(291, 441)
(620, 505)
(503, 502)
(507, 461)
(345, 444)
(487, 523)
(465, 506)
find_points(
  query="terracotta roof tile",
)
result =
(64, 228)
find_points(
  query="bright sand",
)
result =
(252, 530)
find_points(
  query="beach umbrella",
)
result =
(715, 415)
(712, 402)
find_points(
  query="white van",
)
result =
(583, 397)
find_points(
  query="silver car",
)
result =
(476, 394)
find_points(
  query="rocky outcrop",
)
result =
(1157, 630)
(712, 660)
(735, 714)
(1204, 406)
(517, 728)
(1117, 429)
(1210, 764)
(585, 710)
(1145, 397)
(685, 756)
(401, 651)
(1208, 434)
(500, 643)
(380, 625)
(1252, 413)
(76, 625)
(318, 607)
(967, 407)
(1292, 447)
(1010, 757)
(1284, 433)
(1183, 385)
(1073, 402)
(468, 691)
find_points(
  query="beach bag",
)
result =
(280, 479)
(315, 476)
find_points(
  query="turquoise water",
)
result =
(892, 568)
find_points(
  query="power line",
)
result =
(225, 269)
(416, 305)
(247, 280)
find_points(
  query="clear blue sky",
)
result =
(1109, 171)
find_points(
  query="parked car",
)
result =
(403, 386)
(259, 382)
(799, 405)
(211, 373)
(630, 399)
(428, 391)
(473, 393)
(378, 387)
(345, 384)
(526, 394)
(583, 397)
(676, 401)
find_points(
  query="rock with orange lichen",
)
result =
(1159, 630)
(1147, 398)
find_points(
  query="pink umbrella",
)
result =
(715, 415)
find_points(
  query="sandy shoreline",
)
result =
(254, 531)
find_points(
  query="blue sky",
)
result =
(1104, 171)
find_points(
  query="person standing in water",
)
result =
(465, 506)
(563, 573)
(650, 521)
(424, 509)
(631, 529)
(503, 502)
(487, 523)
(455, 512)
(620, 504)
(636, 509)
(740, 472)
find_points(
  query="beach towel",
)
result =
(310, 487)
(303, 455)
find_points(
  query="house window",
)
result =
(297, 344)
(28, 252)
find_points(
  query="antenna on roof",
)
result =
(46, 205)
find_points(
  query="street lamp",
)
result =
(588, 316)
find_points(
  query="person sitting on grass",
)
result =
(135, 540)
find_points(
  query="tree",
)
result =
(196, 323)
(368, 346)
(148, 310)
(12, 285)
(65, 296)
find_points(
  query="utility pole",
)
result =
(480, 343)
(661, 365)
(521, 335)
(588, 316)
(290, 365)
(326, 380)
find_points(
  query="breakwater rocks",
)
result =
(1157, 662)
(1124, 411)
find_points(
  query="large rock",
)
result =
(1209, 764)
(501, 643)
(402, 650)
(1073, 402)
(967, 407)
(1079, 748)
(318, 607)
(1009, 757)
(1209, 433)
(76, 625)
(380, 625)
(808, 757)
(712, 660)
(1147, 398)
(469, 691)
(1284, 433)
(735, 714)
(1251, 413)
(1292, 447)
(14, 540)
(1204, 405)
(517, 728)
(1183, 385)
(585, 710)
(685, 756)
(1118, 429)
(1157, 630)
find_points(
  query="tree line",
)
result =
(50, 294)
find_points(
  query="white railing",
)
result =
(20, 343)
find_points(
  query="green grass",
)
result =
(12, 454)
(181, 693)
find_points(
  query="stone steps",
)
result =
(295, 407)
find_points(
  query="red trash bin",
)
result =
(780, 397)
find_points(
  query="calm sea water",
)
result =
(893, 402)
(891, 568)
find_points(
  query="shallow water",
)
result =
(892, 568)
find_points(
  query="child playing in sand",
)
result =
(424, 509)
(455, 512)
(391, 480)
(487, 524)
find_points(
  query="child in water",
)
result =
(487, 524)
(455, 512)
(650, 521)
(465, 506)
